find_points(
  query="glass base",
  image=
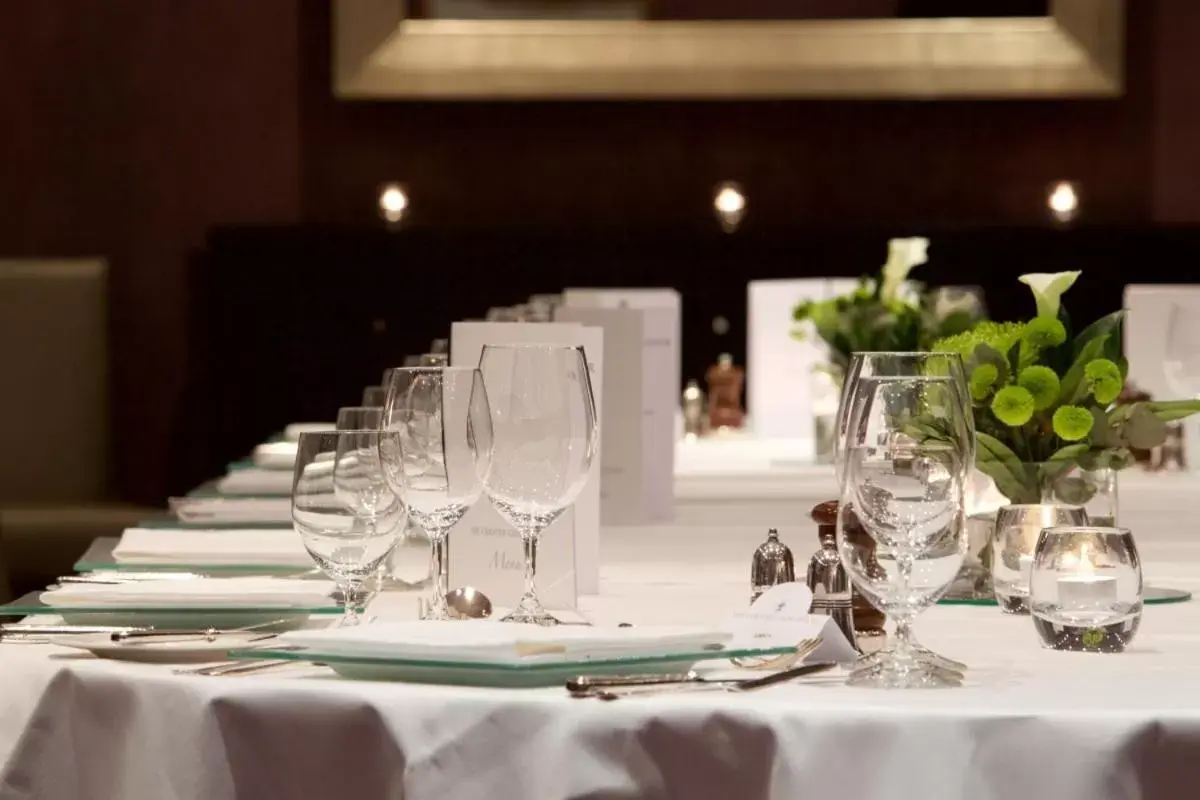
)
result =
(919, 653)
(1079, 639)
(536, 617)
(1013, 603)
(896, 671)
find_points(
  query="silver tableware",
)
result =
(691, 682)
(186, 634)
(772, 564)
(467, 602)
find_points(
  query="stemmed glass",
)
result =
(435, 445)
(346, 514)
(359, 418)
(911, 402)
(545, 438)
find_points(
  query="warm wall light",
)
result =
(1063, 201)
(393, 202)
(729, 203)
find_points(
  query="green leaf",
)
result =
(998, 462)
(1073, 387)
(1109, 326)
(1075, 490)
(1061, 461)
(1172, 410)
(1103, 433)
(1143, 430)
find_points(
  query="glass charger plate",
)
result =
(99, 558)
(164, 616)
(1153, 596)
(502, 674)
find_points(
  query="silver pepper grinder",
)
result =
(830, 585)
(771, 566)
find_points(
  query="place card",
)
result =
(486, 551)
(781, 381)
(637, 463)
(779, 617)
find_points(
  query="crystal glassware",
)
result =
(1086, 588)
(346, 514)
(545, 439)
(1014, 538)
(436, 445)
(374, 396)
(863, 374)
(359, 418)
(901, 534)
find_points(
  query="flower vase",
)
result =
(826, 394)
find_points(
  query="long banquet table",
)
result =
(1030, 724)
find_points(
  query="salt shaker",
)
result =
(771, 566)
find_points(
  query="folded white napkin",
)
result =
(495, 642)
(256, 480)
(225, 546)
(275, 455)
(201, 592)
(233, 510)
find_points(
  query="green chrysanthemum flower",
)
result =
(1104, 378)
(1013, 405)
(1044, 332)
(1042, 383)
(983, 378)
(1073, 423)
(1000, 336)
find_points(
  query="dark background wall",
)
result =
(128, 128)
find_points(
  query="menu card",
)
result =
(486, 551)
(637, 463)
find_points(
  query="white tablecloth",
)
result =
(1031, 724)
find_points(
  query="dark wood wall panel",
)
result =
(128, 128)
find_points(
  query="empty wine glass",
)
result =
(545, 438)
(900, 530)
(1182, 362)
(346, 514)
(435, 445)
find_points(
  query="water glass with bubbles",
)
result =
(347, 515)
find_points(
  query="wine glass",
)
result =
(901, 531)
(346, 514)
(435, 445)
(1182, 362)
(545, 439)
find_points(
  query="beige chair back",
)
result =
(53, 381)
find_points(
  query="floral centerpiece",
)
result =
(888, 313)
(1046, 403)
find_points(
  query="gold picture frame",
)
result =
(1075, 51)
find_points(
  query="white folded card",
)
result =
(485, 550)
(256, 481)
(226, 546)
(292, 432)
(275, 455)
(485, 641)
(198, 593)
(637, 459)
(780, 618)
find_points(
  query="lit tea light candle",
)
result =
(1087, 587)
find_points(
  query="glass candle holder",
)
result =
(1086, 588)
(1013, 542)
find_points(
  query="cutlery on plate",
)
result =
(587, 683)
(21, 629)
(743, 685)
(132, 636)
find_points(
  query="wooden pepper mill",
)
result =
(868, 620)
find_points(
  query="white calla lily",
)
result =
(1048, 289)
(903, 255)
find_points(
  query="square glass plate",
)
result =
(497, 674)
(99, 558)
(197, 617)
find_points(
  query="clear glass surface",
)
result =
(359, 418)
(435, 446)
(905, 456)
(1013, 541)
(347, 515)
(545, 438)
(1085, 588)
(374, 396)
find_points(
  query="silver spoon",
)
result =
(468, 602)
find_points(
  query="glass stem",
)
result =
(529, 542)
(350, 593)
(904, 642)
(438, 565)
